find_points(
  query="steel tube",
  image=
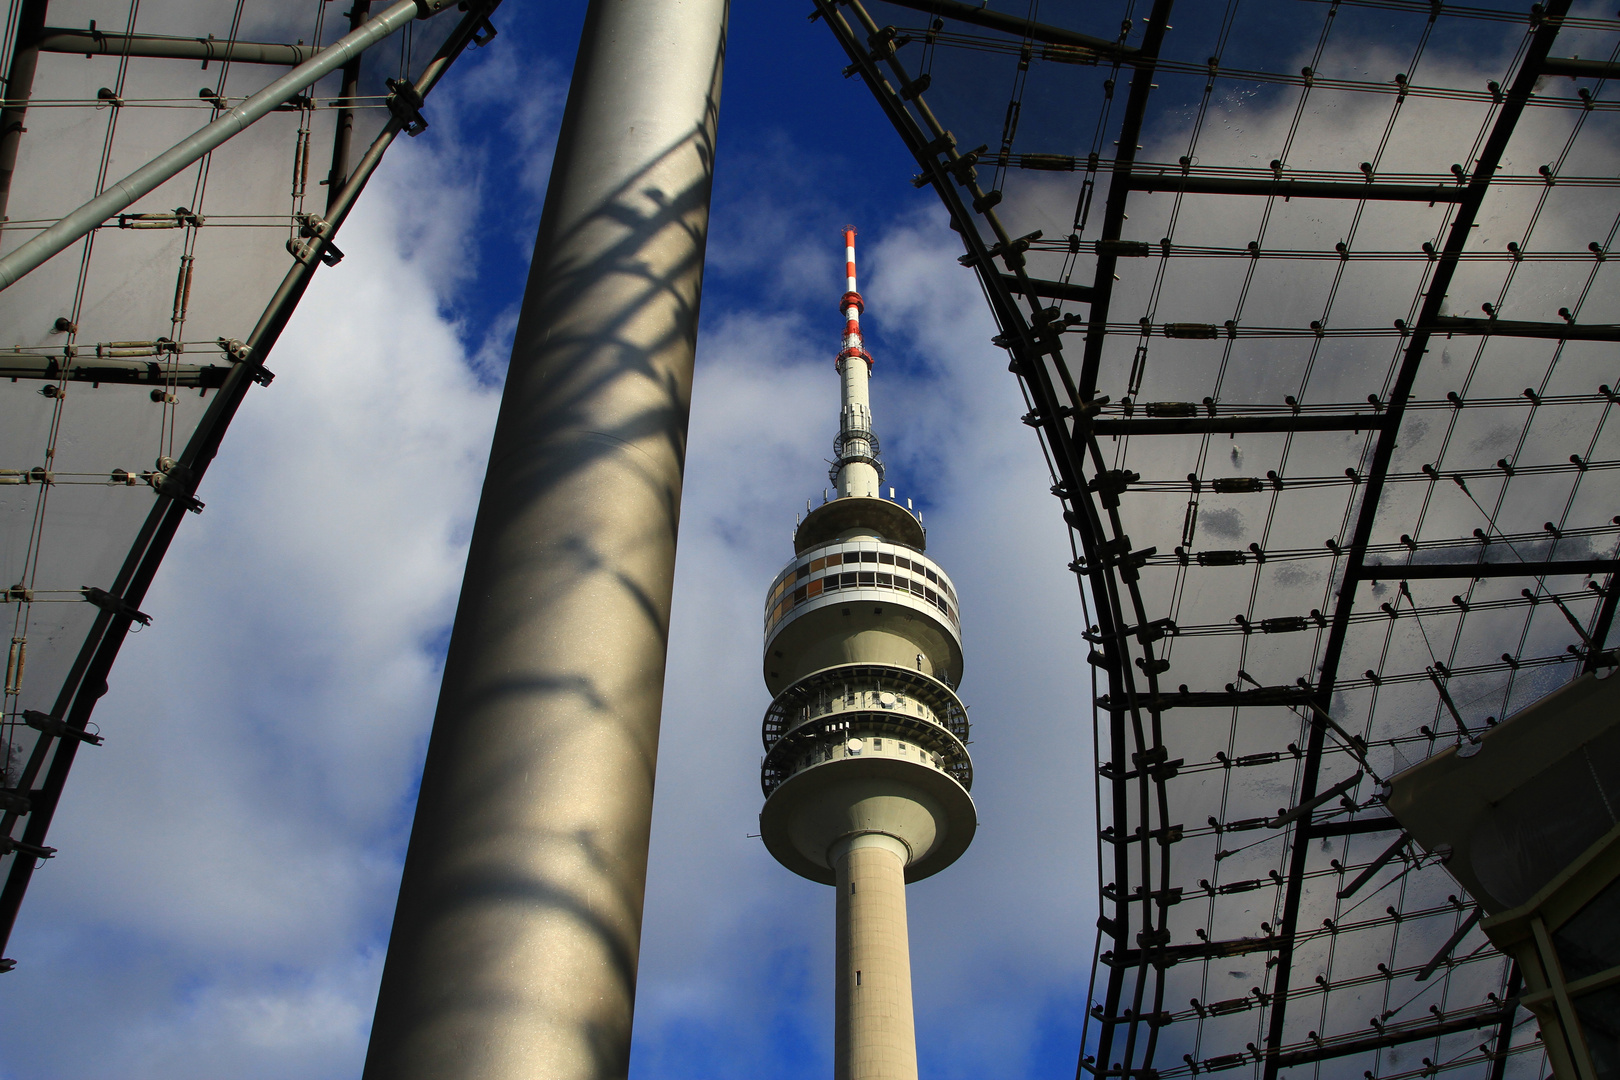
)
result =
(1414, 571)
(121, 194)
(344, 134)
(62, 39)
(515, 940)
(19, 88)
(1296, 189)
(1018, 27)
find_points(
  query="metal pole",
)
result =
(121, 194)
(344, 134)
(19, 88)
(515, 941)
(87, 43)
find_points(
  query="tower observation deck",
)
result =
(866, 771)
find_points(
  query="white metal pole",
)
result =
(516, 937)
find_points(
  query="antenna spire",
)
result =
(857, 469)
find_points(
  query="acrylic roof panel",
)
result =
(1311, 306)
(122, 359)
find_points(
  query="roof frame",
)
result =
(1064, 412)
(86, 681)
(1531, 68)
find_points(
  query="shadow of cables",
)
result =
(516, 938)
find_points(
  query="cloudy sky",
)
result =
(228, 862)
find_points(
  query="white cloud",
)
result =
(229, 859)
(735, 943)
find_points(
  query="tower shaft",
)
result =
(875, 1037)
(866, 770)
(858, 470)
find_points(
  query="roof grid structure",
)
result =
(127, 355)
(1308, 304)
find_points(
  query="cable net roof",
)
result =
(123, 358)
(1311, 306)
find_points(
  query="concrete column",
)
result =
(516, 937)
(876, 1037)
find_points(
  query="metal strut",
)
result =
(117, 196)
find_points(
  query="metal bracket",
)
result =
(239, 353)
(175, 481)
(8, 845)
(115, 605)
(316, 229)
(406, 104)
(57, 728)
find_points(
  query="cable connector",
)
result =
(316, 230)
(175, 481)
(238, 352)
(8, 845)
(57, 728)
(115, 605)
(406, 104)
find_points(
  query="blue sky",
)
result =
(228, 864)
(228, 861)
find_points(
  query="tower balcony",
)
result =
(855, 601)
(882, 689)
(863, 748)
(849, 774)
(864, 734)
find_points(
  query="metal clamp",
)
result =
(175, 481)
(115, 605)
(8, 845)
(238, 352)
(57, 728)
(406, 104)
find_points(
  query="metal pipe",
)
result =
(92, 370)
(515, 941)
(1297, 189)
(343, 137)
(121, 194)
(70, 40)
(1580, 69)
(1543, 568)
(1018, 27)
(19, 88)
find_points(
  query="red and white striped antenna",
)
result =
(849, 256)
(852, 306)
(857, 469)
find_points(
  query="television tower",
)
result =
(866, 771)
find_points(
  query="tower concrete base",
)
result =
(876, 1035)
